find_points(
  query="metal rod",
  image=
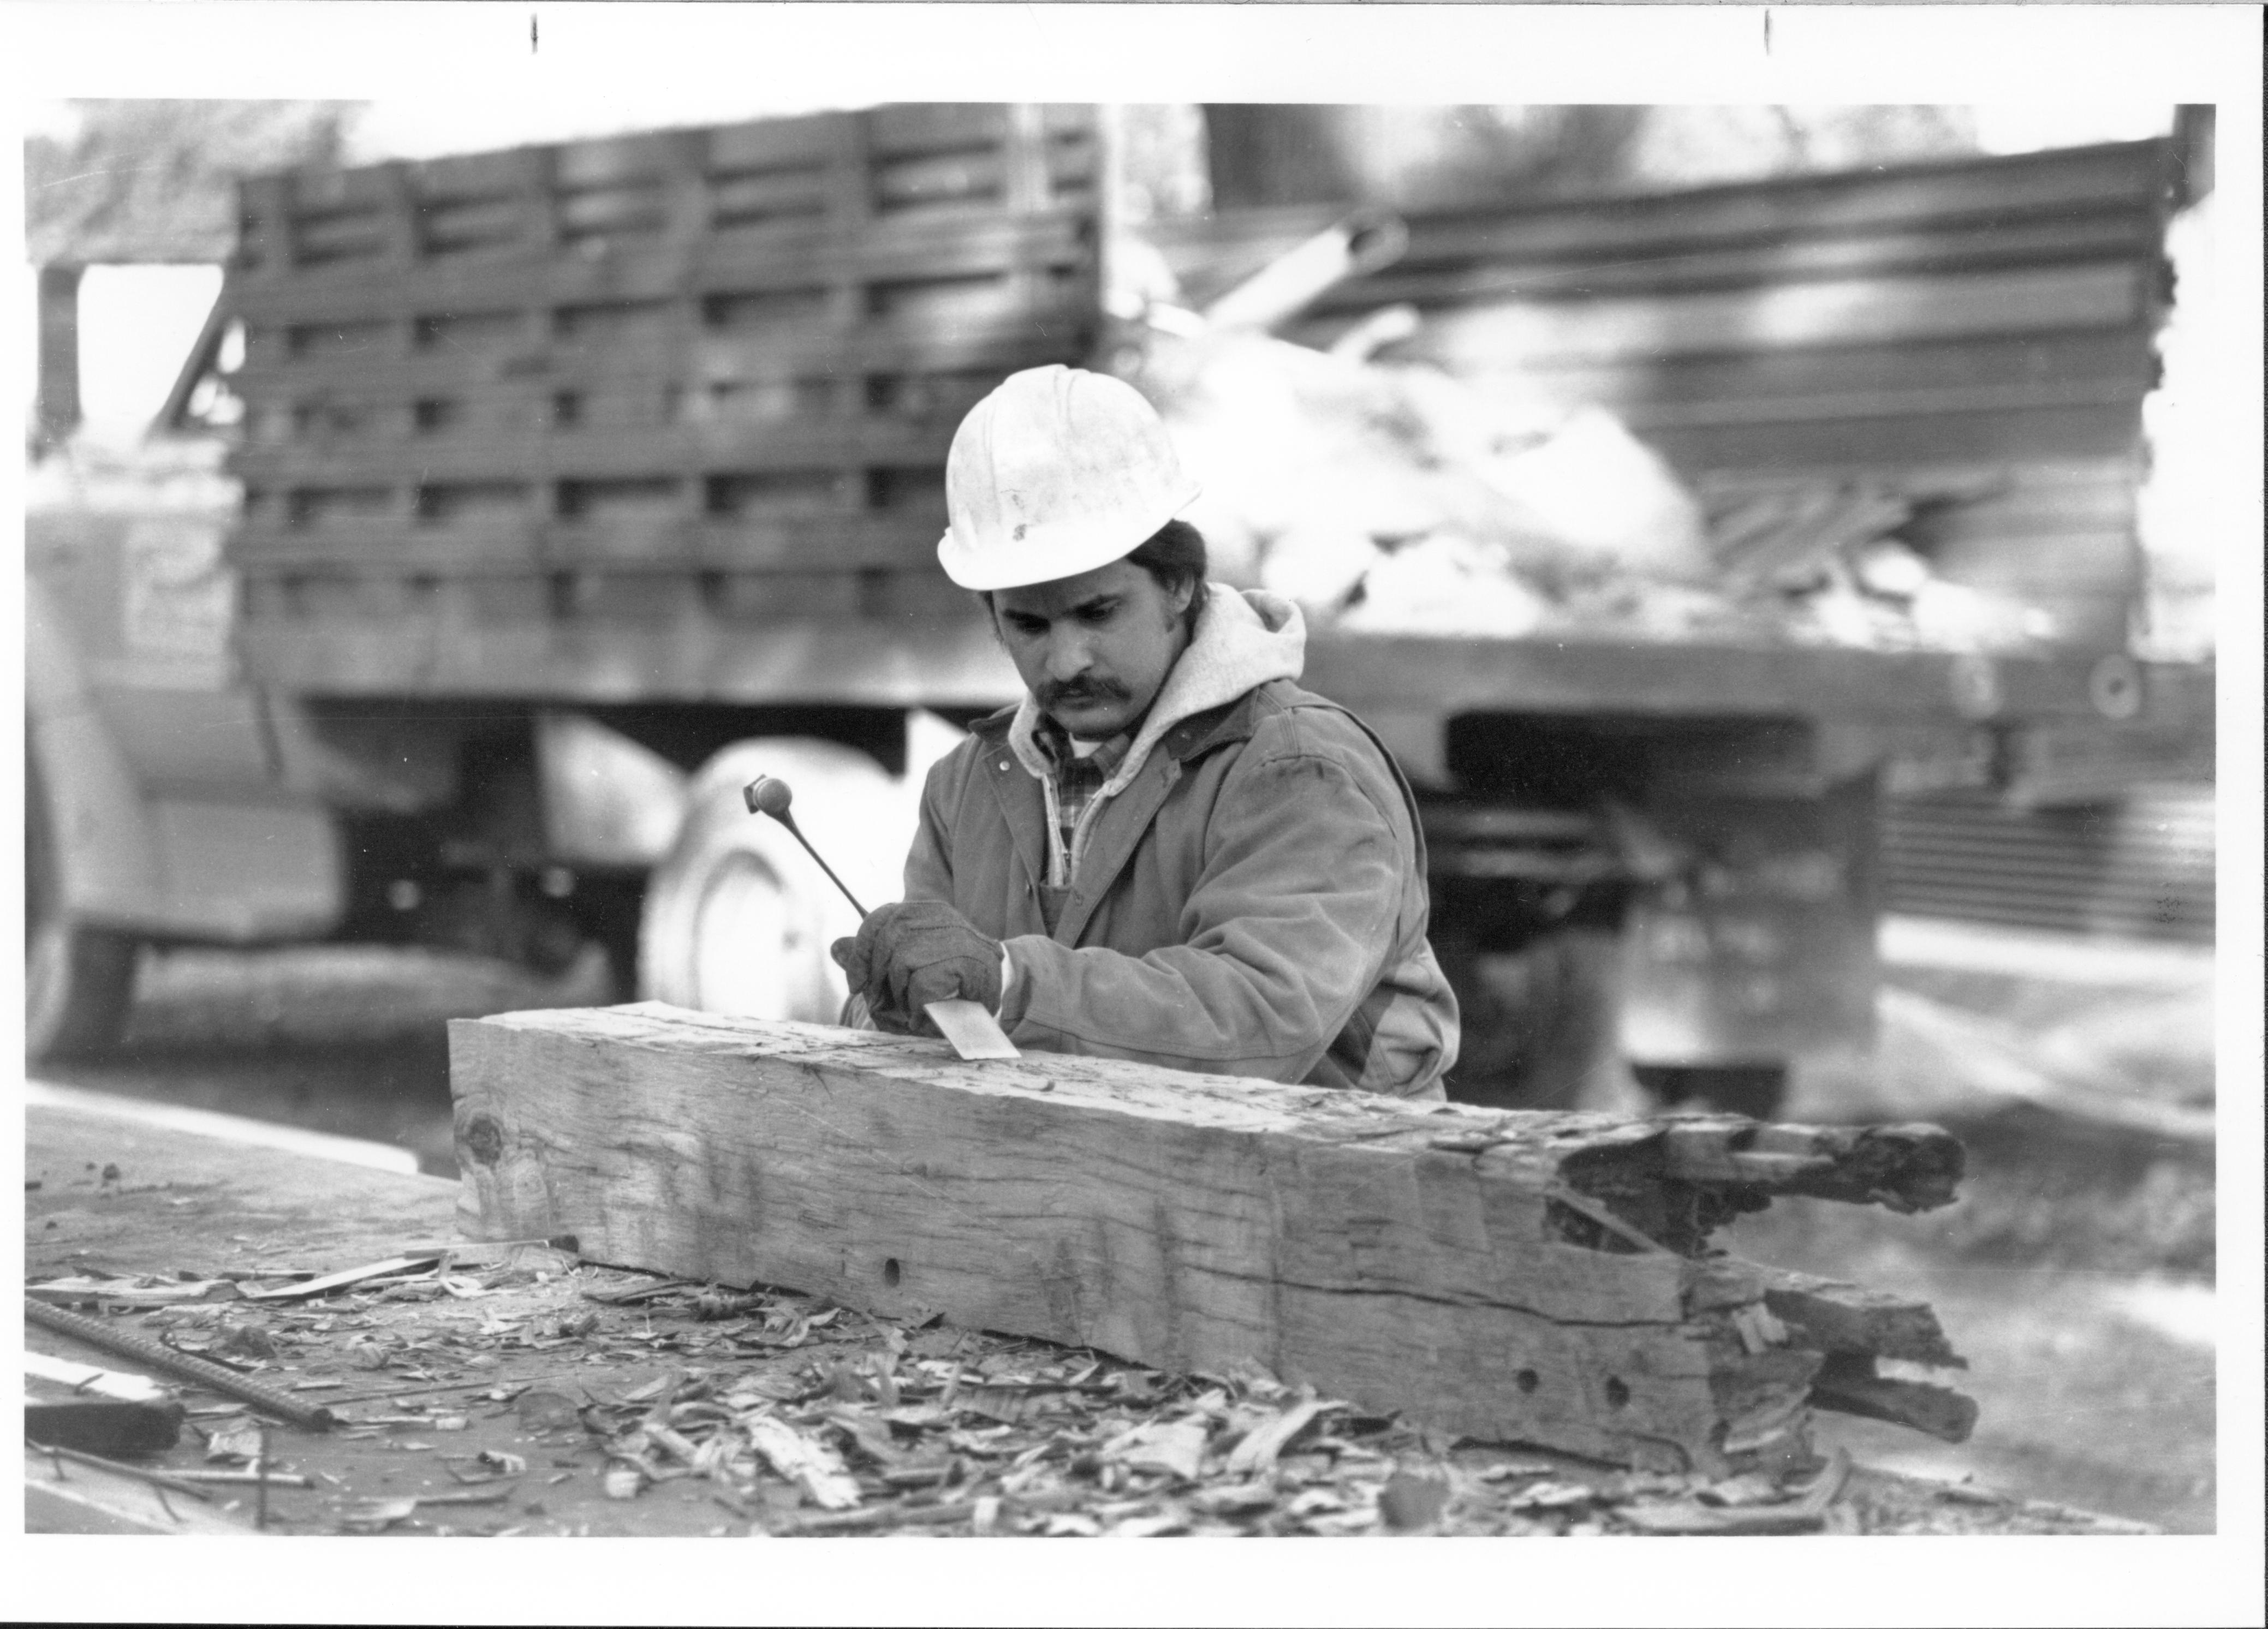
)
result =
(787, 818)
(210, 1376)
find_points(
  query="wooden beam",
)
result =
(1507, 1276)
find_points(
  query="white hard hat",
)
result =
(1057, 472)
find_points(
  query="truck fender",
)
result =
(235, 865)
(104, 852)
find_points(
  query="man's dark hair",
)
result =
(1174, 554)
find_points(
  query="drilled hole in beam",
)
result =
(891, 1272)
(1526, 1380)
(1617, 1393)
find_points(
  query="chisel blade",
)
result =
(973, 1032)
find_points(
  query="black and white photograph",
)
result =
(807, 771)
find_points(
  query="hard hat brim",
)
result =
(1050, 553)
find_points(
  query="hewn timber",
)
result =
(1507, 1276)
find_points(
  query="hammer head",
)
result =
(768, 794)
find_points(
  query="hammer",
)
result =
(973, 1032)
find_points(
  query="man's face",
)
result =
(1093, 650)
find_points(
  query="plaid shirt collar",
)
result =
(1078, 779)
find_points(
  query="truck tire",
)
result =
(737, 918)
(78, 981)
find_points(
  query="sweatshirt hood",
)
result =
(1245, 638)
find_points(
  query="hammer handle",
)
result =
(788, 821)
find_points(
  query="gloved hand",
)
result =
(908, 955)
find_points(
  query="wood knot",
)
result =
(482, 1139)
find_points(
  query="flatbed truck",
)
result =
(569, 487)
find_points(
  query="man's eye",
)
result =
(1097, 613)
(1030, 627)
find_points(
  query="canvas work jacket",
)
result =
(1245, 896)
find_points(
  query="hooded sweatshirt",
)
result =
(1245, 895)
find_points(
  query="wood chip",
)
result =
(1175, 1446)
(238, 1441)
(1235, 1498)
(1551, 1496)
(1257, 1452)
(804, 1460)
(350, 1276)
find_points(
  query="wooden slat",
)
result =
(1941, 402)
(2093, 487)
(386, 547)
(1465, 276)
(708, 447)
(940, 181)
(768, 199)
(946, 659)
(930, 127)
(336, 238)
(1688, 681)
(456, 176)
(367, 364)
(769, 143)
(347, 414)
(1901, 441)
(612, 159)
(1818, 313)
(1488, 1274)
(844, 542)
(790, 251)
(2125, 358)
(2129, 178)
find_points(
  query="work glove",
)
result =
(908, 955)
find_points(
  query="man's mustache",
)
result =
(1078, 690)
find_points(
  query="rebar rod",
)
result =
(160, 1356)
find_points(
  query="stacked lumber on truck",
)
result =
(1539, 1278)
(1391, 498)
(1991, 321)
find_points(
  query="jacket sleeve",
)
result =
(1291, 922)
(929, 868)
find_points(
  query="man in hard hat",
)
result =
(1168, 851)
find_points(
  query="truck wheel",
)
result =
(737, 918)
(78, 981)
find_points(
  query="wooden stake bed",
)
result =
(1539, 1278)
